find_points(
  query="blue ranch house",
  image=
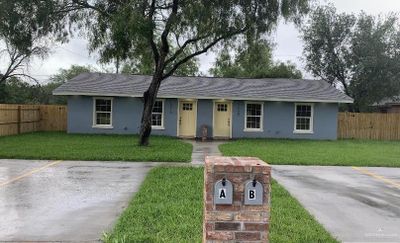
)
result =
(228, 107)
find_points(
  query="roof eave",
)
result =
(342, 101)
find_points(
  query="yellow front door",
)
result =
(222, 119)
(187, 118)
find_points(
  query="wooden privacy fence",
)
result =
(376, 126)
(16, 119)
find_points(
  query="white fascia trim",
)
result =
(207, 98)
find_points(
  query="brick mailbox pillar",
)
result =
(236, 199)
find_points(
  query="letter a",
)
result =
(222, 194)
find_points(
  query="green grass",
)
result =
(62, 146)
(173, 212)
(307, 152)
(168, 208)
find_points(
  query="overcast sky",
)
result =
(288, 43)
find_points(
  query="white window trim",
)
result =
(110, 126)
(261, 129)
(311, 130)
(162, 116)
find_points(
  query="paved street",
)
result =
(355, 204)
(64, 200)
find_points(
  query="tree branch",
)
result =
(25, 75)
(156, 54)
(85, 4)
(204, 50)
(168, 25)
(181, 49)
(18, 59)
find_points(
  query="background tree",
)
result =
(327, 38)
(375, 49)
(173, 31)
(23, 26)
(64, 75)
(13, 69)
(357, 54)
(17, 91)
(15, 61)
(252, 61)
(58, 79)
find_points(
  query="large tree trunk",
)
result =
(149, 99)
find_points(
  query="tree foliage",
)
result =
(359, 54)
(58, 79)
(16, 61)
(24, 25)
(17, 91)
(376, 60)
(252, 61)
(143, 64)
(64, 75)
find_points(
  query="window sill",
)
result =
(303, 132)
(158, 128)
(103, 127)
(253, 130)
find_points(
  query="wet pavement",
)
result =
(64, 200)
(203, 149)
(354, 204)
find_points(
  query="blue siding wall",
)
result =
(204, 116)
(278, 118)
(279, 121)
(126, 116)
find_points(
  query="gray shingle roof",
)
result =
(388, 101)
(100, 84)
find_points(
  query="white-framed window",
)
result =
(157, 115)
(253, 116)
(303, 118)
(102, 112)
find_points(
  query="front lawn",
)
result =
(169, 207)
(311, 152)
(63, 146)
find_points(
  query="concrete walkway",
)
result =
(203, 149)
(354, 204)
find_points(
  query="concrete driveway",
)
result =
(354, 204)
(64, 200)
